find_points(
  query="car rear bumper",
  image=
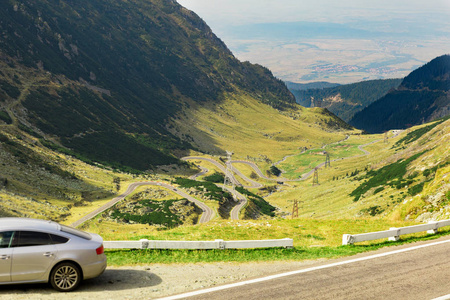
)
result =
(94, 269)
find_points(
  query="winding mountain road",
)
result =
(253, 184)
(207, 211)
(308, 174)
(207, 214)
(202, 172)
(234, 214)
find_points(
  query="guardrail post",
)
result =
(144, 243)
(221, 244)
(347, 239)
(435, 229)
(291, 246)
(396, 237)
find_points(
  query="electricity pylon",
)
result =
(295, 209)
(316, 177)
(327, 160)
(228, 180)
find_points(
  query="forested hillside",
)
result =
(293, 86)
(345, 100)
(100, 79)
(423, 96)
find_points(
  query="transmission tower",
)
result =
(228, 180)
(316, 177)
(295, 209)
(327, 160)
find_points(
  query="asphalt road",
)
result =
(417, 271)
(212, 161)
(242, 201)
(208, 213)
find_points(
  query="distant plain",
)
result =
(341, 42)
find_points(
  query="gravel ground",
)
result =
(152, 281)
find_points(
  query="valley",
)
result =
(117, 116)
(327, 204)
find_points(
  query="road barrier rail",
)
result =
(394, 234)
(199, 245)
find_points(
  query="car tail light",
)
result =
(100, 250)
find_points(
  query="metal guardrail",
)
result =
(198, 245)
(394, 233)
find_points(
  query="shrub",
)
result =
(373, 210)
(160, 214)
(216, 178)
(5, 117)
(212, 190)
(275, 171)
(379, 189)
(264, 206)
(388, 175)
(416, 189)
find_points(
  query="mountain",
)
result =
(101, 79)
(344, 100)
(423, 96)
(294, 86)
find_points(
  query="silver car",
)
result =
(33, 251)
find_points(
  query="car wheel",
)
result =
(65, 277)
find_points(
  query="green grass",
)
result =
(391, 174)
(159, 213)
(151, 256)
(215, 177)
(262, 204)
(305, 232)
(299, 164)
(211, 189)
(418, 133)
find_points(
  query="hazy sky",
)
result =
(337, 41)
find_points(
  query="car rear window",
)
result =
(76, 232)
(57, 239)
(5, 239)
(33, 238)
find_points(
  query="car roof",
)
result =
(27, 223)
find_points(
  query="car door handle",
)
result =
(5, 257)
(48, 254)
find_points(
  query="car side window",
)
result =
(57, 239)
(32, 238)
(5, 238)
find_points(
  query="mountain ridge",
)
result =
(423, 96)
(120, 72)
(343, 100)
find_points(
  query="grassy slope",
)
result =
(331, 198)
(30, 185)
(253, 130)
(328, 211)
(324, 207)
(264, 135)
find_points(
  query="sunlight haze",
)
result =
(335, 41)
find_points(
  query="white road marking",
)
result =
(267, 278)
(446, 297)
